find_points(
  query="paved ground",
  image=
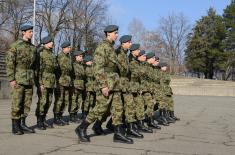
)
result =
(207, 127)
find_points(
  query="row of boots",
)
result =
(166, 117)
(19, 126)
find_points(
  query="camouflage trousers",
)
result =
(170, 103)
(44, 102)
(102, 106)
(139, 106)
(64, 100)
(129, 107)
(90, 101)
(21, 101)
(149, 103)
(77, 100)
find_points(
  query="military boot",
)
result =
(109, 125)
(45, 123)
(143, 128)
(161, 119)
(25, 127)
(84, 114)
(173, 116)
(40, 124)
(97, 128)
(61, 119)
(133, 132)
(152, 124)
(16, 130)
(120, 137)
(168, 118)
(81, 131)
(57, 121)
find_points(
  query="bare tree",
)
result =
(174, 30)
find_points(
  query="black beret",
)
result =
(142, 52)
(111, 28)
(163, 64)
(125, 38)
(134, 47)
(65, 44)
(26, 27)
(76, 53)
(87, 58)
(150, 55)
(46, 40)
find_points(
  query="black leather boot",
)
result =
(61, 119)
(152, 124)
(72, 118)
(168, 118)
(45, 123)
(84, 114)
(57, 121)
(81, 131)
(24, 127)
(133, 132)
(40, 124)
(97, 128)
(143, 128)
(120, 137)
(173, 116)
(16, 130)
(162, 120)
(109, 125)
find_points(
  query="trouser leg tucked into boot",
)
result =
(25, 127)
(162, 120)
(97, 128)
(57, 121)
(47, 125)
(16, 129)
(81, 131)
(132, 131)
(40, 124)
(152, 124)
(109, 125)
(143, 128)
(119, 135)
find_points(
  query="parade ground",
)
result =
(207, 127)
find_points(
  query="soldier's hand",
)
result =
(13, 84)
(105, 91)
(42, 87)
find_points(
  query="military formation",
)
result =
(126, 86)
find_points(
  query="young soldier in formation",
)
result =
(65, 82)
(19, 65)
(105, 65)
(79, 85)
(47, 64)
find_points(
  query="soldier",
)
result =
(148, 82)
(79, 85)
(19, 65)
(46, 82)
(65, 82)
(136, 73)
(105, 65)
(168, 110)
(124, 74)
(89, 85)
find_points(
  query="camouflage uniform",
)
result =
(90, 88)
(19, 61)
(124, 72)
(47, 79)
(105, 65)
(78, 96)
(65, 82)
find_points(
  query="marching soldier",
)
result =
(46, 81)
(105, 65)
(19, 65)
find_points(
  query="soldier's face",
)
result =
(135, 53)
(113, 35)
(79, 58)
(28, 34)
(50, 45)
(151, 60)
(89, 63)
(67, 49)
(156, 63)
(127, 45)
(142, 58)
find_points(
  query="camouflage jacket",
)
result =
(135, 76)
(19, 61)
(123, 68)
(105, 66)
(65, 66)
(47, 68)
(165, 83)
(79, 75)
(90, 78)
